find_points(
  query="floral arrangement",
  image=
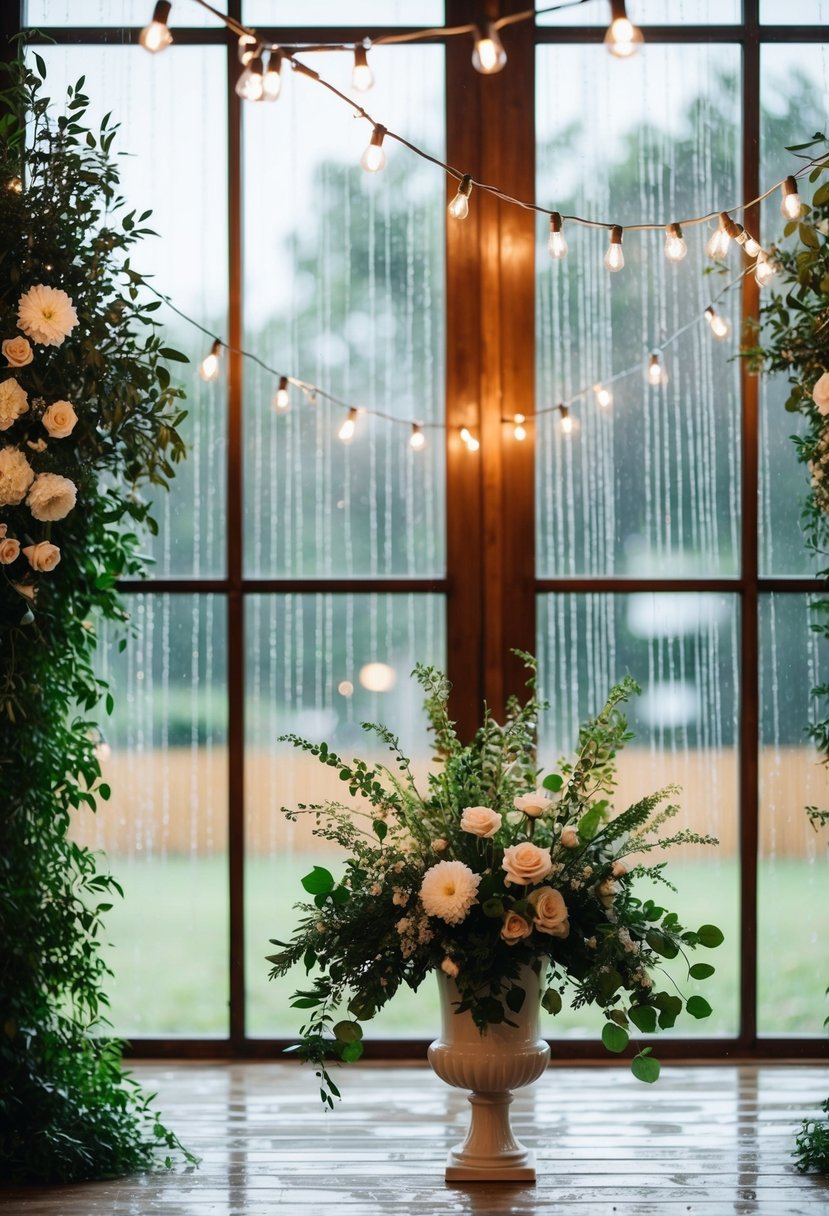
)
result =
(489, 869)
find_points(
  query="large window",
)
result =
(296, 580)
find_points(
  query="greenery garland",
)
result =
(87, 414)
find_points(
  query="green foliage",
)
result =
(811, 1151)
(67, 1109)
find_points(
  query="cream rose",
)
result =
(14, 401)
(515, 928)
(9, 551)
(550, 912)
(51, 497)
(532, 805)
(570, 838)
(17, 352)
(820, 394)
(526, 863)
(480, 821)
(42, 556)
(59, 419)
(16, 475)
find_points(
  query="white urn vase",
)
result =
(491, 1065)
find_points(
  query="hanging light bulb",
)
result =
(417, 440)
(790, 206)
(720, 325)
(459, 207)
(566, 422)
(246, 49)
(556, 244)
(604, 397)
(374, 158)
(765, 270)
(623, 38)
(250, 86)
(272, 79)
(362, 77)
(346, 431)
(471, 442)
(519, 431)
(281, 400)
(656, 374)
(488, 55)
(752, 246)
(156, 36)
(675, 245)
(718, 242)
(614, 259)
(209, 366)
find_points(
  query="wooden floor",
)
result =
(709, 1141)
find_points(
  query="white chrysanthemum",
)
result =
(448, 890)
(51, 496)
(16, 475)
(14, 401)
(46, 314)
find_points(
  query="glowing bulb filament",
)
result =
(519, 431)
(417, 440)
(614, 259)
(675, 245)
(156, 36)
(346, 431)
(566, 422)
(604, 397)
(488, 55)
(251, 85)
(790, 206)
(374, 158)
(281, 400)
(656, 374)
(246, 49)
(623, 38)
(362, 77)
(556, 244)
(272, 79)
(765, 270)
(717, 247)
(459, 207)
(209, 366)
(720, 326)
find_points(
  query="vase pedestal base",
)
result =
(524, 1173)
(490, 1152)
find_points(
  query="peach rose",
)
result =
(820, 393)
(42, 556)
(526, 863)
(9, 551)
(570, 838)
(605, 891)
(17, 352)
(515, 928)
(480, 821)
(532, 805)
(59, 419)
(619, 868)
(550, 912)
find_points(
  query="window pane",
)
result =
(172, 139)
(649, 486)
(652, 12)
(794, 12)
(358, 12)
(793, 912)
(682, 650)
(344, 285)
(307, 674)
(113, 12)
(165, 829)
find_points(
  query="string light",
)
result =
(272, 79)
(417, 440)
(720, 325)
(604, 397)
(374, 158)
(765, 269)
(614, 259)
(488, 55)
(676, 247)
(623, 38)
(556, 244)
(656, 374)
(565, 421)
(246, 49)
(519, 431)
(281, 399)
(209, 367)
(156, 36)
(251, 85)
(362, 77)
(718, 242)
(459, 207)
(471, 442)
(790, 206)
(346, 432)
(753, 247)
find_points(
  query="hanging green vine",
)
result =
(87, 414)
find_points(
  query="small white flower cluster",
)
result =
(819, 469)
(414, 931)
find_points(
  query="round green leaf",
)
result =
(319, 881)
(698, 1007)
(700, 971)
(710, 936)
(348, 1032)
(553, 782)
(645, 1068)
(643, 1018)
(551, 1000)
(614, 1037)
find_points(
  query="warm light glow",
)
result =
(519, 431)
(489, 55)
(246, 49)
(720, 326)
(362, 77)
(374, 158)
(790, 206)
(281, 400)
(752, 247)
(209, 366)
(156, 36)
(459, 207)
(346, 431)
(718, 242)
(604, 397)
(623, 38)
(345, 688)
(614, 259)
(272, 79)
(556, 244)
(417, 440)
(765, 270)
(471, 442)
(675, 246)
(377, 677)
(15, 185)
(566, 423)
(251, 86)
(656, 373)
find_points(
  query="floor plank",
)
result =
(704, 1141)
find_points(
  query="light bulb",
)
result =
(156, 36)
(250, 85)
(471, 442)
(281, 400)
(246, 49)
(519, 431)
(675, 246)
(272, 79)
(566, 423)
(374, 158)
(790, 206)
(459, 207)
(604, 397)
(656, 373)
(752, 247)
(15, 185)
(623, 38)
(362, 77)
(417, 440)
(346, 431)
(556, 244)
(720, 326)
(614, 259)
(209, 366)
(765, 270)
(488, 55)
(718, 242)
